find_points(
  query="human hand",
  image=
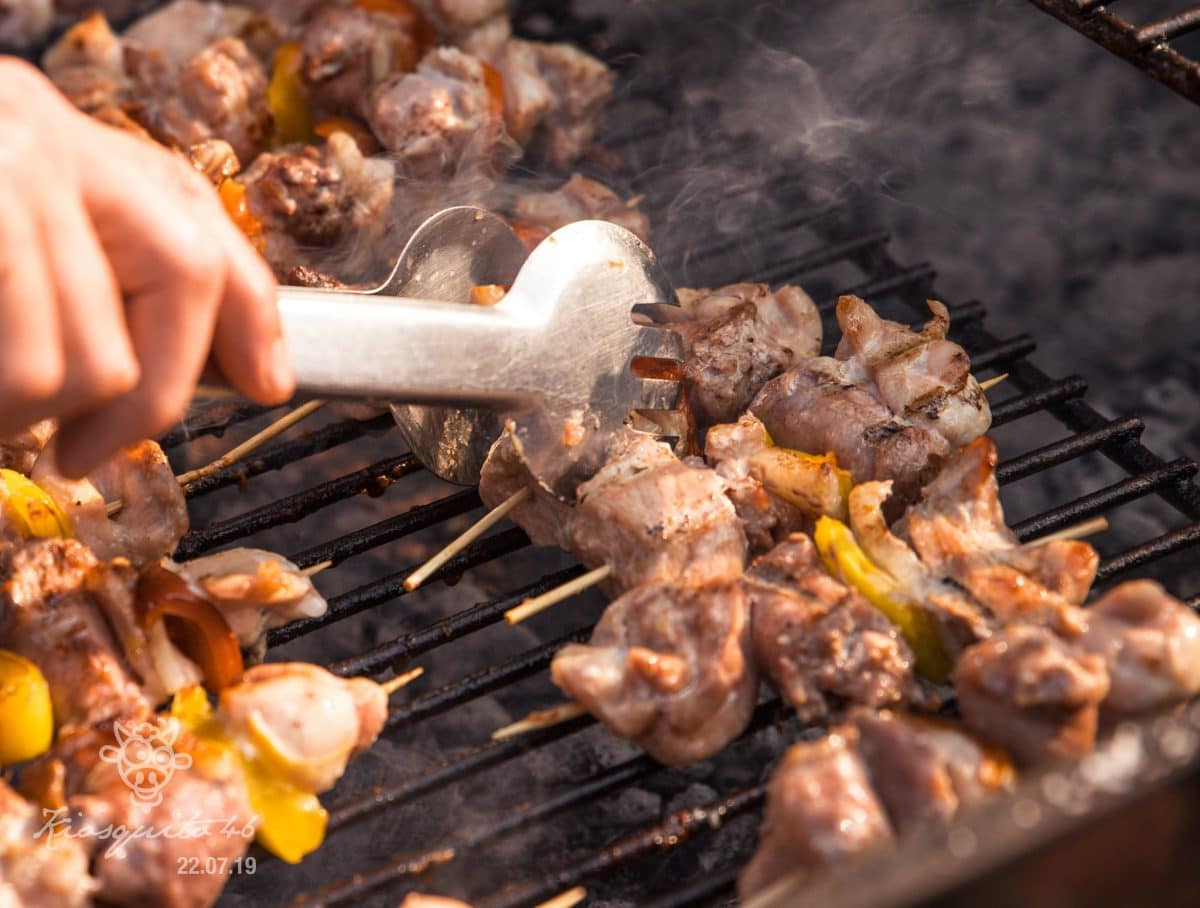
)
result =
(119, 273)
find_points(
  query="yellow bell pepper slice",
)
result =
(291, 821)
(813, 483)
(844, 558)
(288, 96)
(26, 713)
(31, 509)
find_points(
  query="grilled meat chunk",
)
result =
(737, 339)
(349, 49)
(669, 666)
(1151, 642)
(925, 770)
(442, 119)
(958, 531)
(821, 810)
(309, 198)
(554, 95)
(33, 872)
(1032, 694)
(178, 31)
(313, 721)
(20, 450)
(891, 404)
(453, 17)
(153, 516)
(22, 24)
(48, 616)
(654, 518)
(254, 590)
(536, 215)
(542, 516)
(88, 65)
(819, 641)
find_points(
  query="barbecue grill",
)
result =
(436, 805)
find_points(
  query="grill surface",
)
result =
(436, 805)
(1147, 46)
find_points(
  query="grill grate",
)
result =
(1146, 46)
(437, 805)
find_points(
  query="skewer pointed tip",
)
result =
(543, 718)
(567, 899)
(986, 386)
(394, 684)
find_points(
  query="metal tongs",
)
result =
(557, 354)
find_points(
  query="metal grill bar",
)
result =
(212, 419)
(1159, 547)
(1144, 47)
(1068, 448)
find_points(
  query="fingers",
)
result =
(32, 366)
(248, 344)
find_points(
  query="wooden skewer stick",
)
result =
(489, 520)
(1078, 531)
(213, 392)
(313, 569)
(255, 441)
(540, 603)
(394, 684)
(113, 508)
(567, 899)
(986, 386)
(543, 718)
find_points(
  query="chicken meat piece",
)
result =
(288, 12)
(153, 515)
(47, 615)
(88, 65)
(1032, 694)
(35, 873)
(349, 49)
(255, 591)
(486, 40)
(215, 159)
(443, 119)
(309, 198)
(736, 451)
(819, 642)
(453, 17)
(543, 517)
(24, 23)
(311, 720)
(208, 798)
(178, 31)
(536, 215)
(925, 770)
(554, 95)
(958, 530)
(736, 339)
(653, 518)
(1151, 643)
(668, 666)
(20, 450)
(821, 810)
(919, 376)
(158, 664)
(958, 619)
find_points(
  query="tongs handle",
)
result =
(348, 344)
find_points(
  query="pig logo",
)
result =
(145, 757)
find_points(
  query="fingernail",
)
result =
(282, 379)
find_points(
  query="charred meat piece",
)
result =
(654, 518)
(1151, 642)
(538, 214)
(349, 49)
(891, 404)
(821, 810)
(153, 515)
(820, 642)
(311, 720)
(1032, 694)
(669, 666)
(737, 339)
(48, 616)
(23, 23)
(958, 530)
(254, 590)
(88, 65)
(35, 873)
(542, 516)
(453, 17)
(445, 118)
(926, 770)
(180, 30)
(215, 159)
(309, 198)
(20, 450)
(553, 97)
